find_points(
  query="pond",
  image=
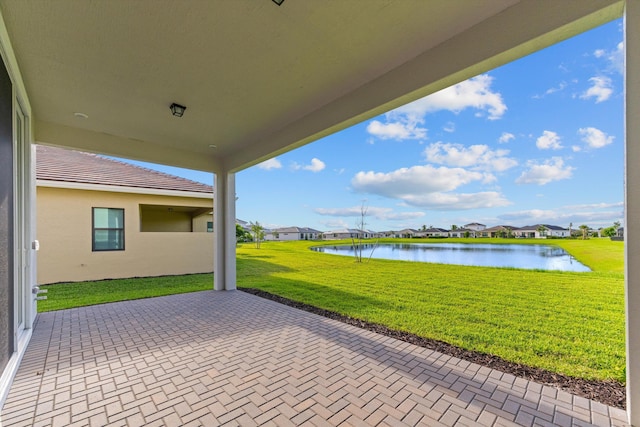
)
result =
(543, 257)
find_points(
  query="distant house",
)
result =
(433, 232)
(407, 233)
(348, 233)
(542, 231)
(293, 233)
(244, 224)
(99, 218)
(374, 234)
(462, 232)
(499, 231)
(475, 226)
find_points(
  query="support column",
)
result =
(632, 206)
(224, 227)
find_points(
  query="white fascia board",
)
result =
(121, 189)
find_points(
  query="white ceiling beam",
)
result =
(117, 146)
(515, 32)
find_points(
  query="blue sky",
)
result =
(539, 140)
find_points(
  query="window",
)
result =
(108, 229)
(209, 226)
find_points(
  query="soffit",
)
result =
(256, 78)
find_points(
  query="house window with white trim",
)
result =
(108, 229)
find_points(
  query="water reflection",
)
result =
(542, 257)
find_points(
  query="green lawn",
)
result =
(571, 323)
(78, 294)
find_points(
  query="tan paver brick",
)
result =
(229, 358)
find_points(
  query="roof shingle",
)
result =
(57, 164)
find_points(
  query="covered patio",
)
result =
(257, 79)
(194, 360)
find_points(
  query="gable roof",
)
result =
(547, 226)
(57, 164)
(433, 230)
(295, 230)
(500, 228)
(408, 230)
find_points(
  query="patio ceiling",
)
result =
(257, 79)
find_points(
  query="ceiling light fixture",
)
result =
(278, 2)
(81, 115)
(177, 109)
(213, 146)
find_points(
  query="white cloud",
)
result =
(371, 211)
(473, 93)
(601, 205)
(576, 148)
(405, 122)
(270, 164)
(416, 180)
(548, 141)
(506, 137)
(479, 157)
(565, 215)
(449, 127)
(533, 215)
(614, 57)
(335, 224)
(561, 86)
(398, 130)
(594, 138)
(458, 201)
(601, 89)
(552, 169)
(316, 165)
(489, 178)
(428, 187)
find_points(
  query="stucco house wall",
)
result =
(64, 224)
(293, 233)
(285, 236)
(203, 223)
(558, 233)
(531, 231)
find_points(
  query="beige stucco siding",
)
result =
(153, 220)
(200, 222)
(65, 235)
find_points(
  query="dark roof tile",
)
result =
(57, 164)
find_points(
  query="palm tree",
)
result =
(258, 233)
(542, 230)
(584, 229)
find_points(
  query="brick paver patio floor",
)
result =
(230, 358)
